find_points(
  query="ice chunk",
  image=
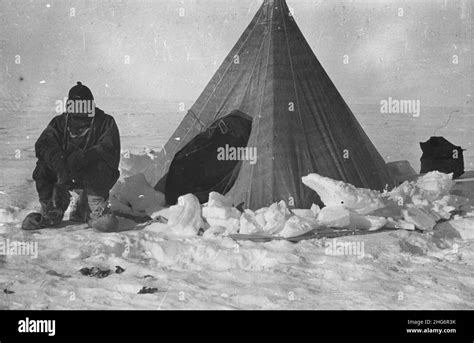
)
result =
(185, 217)
(297, 225)
(442, 206)
(150, 163)
(419, 217)
(218, 200)
(426, 189)
(376, 223)
(275, 217)
(435, 184)
(260, 218)
(249, 224)
(401, 224)
(222, 213)
(359, 222)
(315, 209)
(134, 194)
(338, 193)
(219, 212)
(341, 217)
(335, 216)
(465, 227)
(391, 209)
(269, 220)
(231, 225)
(214, 231)
(403, 193)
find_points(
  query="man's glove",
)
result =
(76, 161)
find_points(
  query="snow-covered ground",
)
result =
(390, 270)
(398, 270)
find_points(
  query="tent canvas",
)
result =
(300, 122)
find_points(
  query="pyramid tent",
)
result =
(298, 123)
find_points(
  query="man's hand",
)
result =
(76, 161)
(81, 159)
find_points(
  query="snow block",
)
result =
(444, 235)
(249, 224)
(419, 217)
(219, 212)
(464, 226)
(376, 223)
(341, 217)
(222, 213)
(275, 217)
(435, 184)
(214, 231)
(185, 217)
(231, 225)
(218, 200)
(150, 163)
(135, 195)
(335, 216)
(296, 226)
(338, 193)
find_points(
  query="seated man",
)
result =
(79, 150)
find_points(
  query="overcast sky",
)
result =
(172, 57)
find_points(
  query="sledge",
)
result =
(318, 233)
(471, 179)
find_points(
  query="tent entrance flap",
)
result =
(202, 166)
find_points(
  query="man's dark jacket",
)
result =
(104, 138)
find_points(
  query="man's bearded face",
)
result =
(81, 109)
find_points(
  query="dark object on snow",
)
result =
(136, 219)
(55, 273)
(52, 211)
(32, 222)
(119, 270)
(148, 290)
(7, 291)
(441, 155)
(300, 124)
(95, 272)
(162, 220)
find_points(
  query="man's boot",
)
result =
(49, 217)
(101, 218)
(52, 211)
